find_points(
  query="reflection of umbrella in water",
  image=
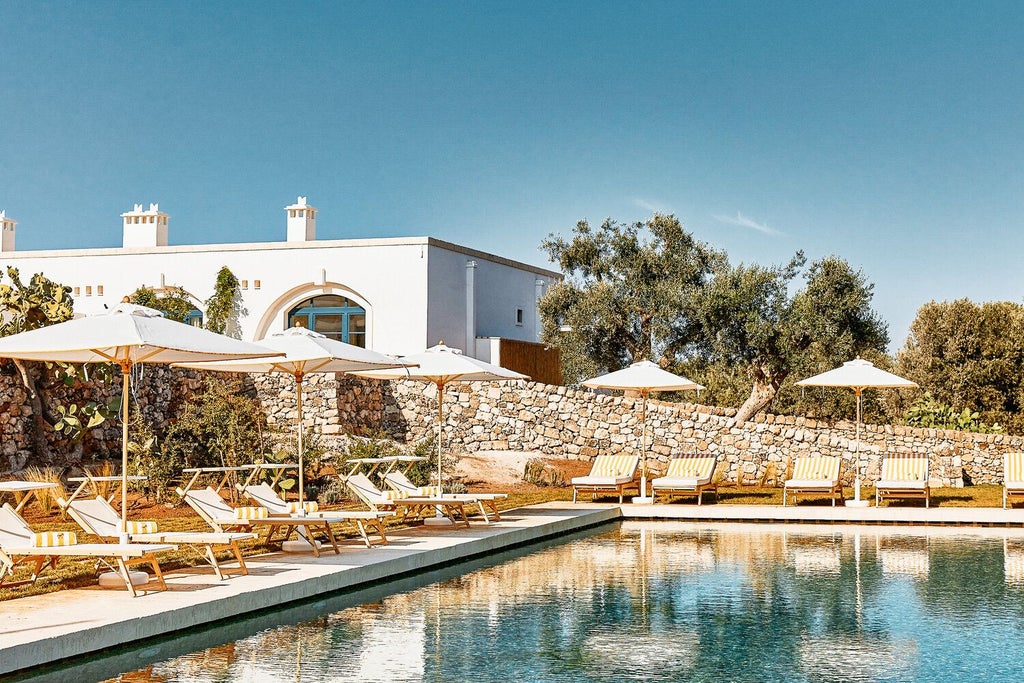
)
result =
(127, 335)
(643, 377)
(858, 375)
(304, 352)
(442, 365)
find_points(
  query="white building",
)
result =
(395, 295)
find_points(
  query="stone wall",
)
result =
(570, 423)
(558, 421)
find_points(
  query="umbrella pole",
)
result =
(856, 479)
(125, 374)
(440, 433)
(439, 518)
(298, 403)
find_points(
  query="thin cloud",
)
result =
(651, 207)
(742, 221)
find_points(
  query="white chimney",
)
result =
(145, 228)
(301, 221)
(6, 232)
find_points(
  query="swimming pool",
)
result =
(653, 601)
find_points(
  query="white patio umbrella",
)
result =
(441, 365)
(644, 377)
(857, 374)
(126, 336)
(304, 351)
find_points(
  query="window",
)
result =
(194, 318)
(99, 290)
(88, 290)
(332, 316)
(519, 317)
(255, 284)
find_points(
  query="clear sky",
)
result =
(890, 134)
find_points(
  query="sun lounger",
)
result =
(690, 474)
(375, 499)
(904, 475)
(1013, 477)
(222, 517)
(265, 496)
(18, 543)
(609, 473)
(97, 517)
(399, 482)
(815, 474)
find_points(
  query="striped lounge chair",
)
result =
(688, 475)
(904, 475)
(609, 473)
(1013, 477)
(815, 474)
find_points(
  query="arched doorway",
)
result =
(333, 316)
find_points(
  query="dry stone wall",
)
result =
(558, 421)
(569, 423)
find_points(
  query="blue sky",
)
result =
(889, 134)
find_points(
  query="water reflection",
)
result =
(667, 602)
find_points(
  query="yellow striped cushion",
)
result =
(427, 491)
(140, 527)
(50, 539)
(394, 495)
(815, 467)
(691, 467)
(306, 506)
(1013, 467)
(251, 513)
(905, 467)
(614, 466)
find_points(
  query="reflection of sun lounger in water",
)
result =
(812, 556)
(1013, 562)
(902, 560)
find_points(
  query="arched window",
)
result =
(332, 316)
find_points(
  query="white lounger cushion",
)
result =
(809, 483)
(901, 484)
(1015, 484)
(600, 481)
(678, 482)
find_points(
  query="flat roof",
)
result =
(276, 246)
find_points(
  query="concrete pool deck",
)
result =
(43, 629)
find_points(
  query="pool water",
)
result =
(660, 601)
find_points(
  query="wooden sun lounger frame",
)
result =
(117, 557)
(833, 490)
(452, 508)
(1012, 488)
(399, 482)
(619, 488)
(360, 518)
(717, 474)
(883, 492)
(205, 544)
(273, 523)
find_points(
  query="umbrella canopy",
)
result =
(441, 365)
(857, 374)
(126, 335)
(645, 377)
(304, 351)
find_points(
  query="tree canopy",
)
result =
(224, 308)
(742, 330)
(970, 356)
(625, 297)
(173, 302)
